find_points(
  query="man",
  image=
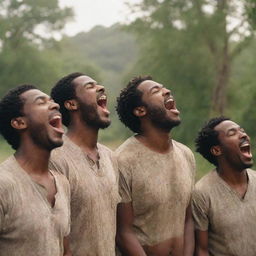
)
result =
(34, 202)
(156, 175)
(89, 166)
(224, 200)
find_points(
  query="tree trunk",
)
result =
(219, 96)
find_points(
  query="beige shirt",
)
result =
(159, 187)
(230, 220)
(94, 197)
(28, 223)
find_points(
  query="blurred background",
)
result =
(203, 50)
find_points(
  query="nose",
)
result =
(166, 92)
(54, 105)
(100, 88)
(243, 134)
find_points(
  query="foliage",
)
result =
(190, 46)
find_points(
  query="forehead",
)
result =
(226, 126)
(31, 95)
(147, 85)
(83, 80)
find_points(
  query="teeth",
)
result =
(103, 97)
(245, 144)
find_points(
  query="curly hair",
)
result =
(64, 90)
(128, 100)
(11, 106)
(208, 138)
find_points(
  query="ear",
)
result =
(71, 105)
(216, 150)
(19, 123)
(140, 111)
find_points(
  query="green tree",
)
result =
(26, 28)
(220, 29)
(28, 20)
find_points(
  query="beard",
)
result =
(160, 119)
(42, 139)
(91, 117)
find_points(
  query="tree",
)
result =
(223, 27)
(28, 20)
(26, 27)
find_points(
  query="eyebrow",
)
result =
(42, 97)
(155, 86)
(90, 82)
(234, 129)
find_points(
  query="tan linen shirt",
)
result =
(230, 220)
(94, 197)
(159, 187)
(28, 223)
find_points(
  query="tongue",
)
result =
(60, 129)
(247, 154)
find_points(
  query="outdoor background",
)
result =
(203, 50)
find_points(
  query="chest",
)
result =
(230, 214)
(29, 212)
(155, 182)
(92, 182)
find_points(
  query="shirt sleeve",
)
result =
(200, 209)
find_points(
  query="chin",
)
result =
(105, 124)
(55, 144)
(248, 165)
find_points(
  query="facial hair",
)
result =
(41, 138)
(160, 119)
(91, 117)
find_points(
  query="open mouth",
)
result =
(55, 122)
(102, 101)
(245, 149)
(170, 105)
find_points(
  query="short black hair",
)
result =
(130, 98)
(64, 90)
(11, 106)
(208, 138)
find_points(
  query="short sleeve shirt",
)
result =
(159, 187)
(29, 225)
(94, 197)
(228, 218)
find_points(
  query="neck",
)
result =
(155, 139)
(231, 176)
(84, 136)
(33, 159)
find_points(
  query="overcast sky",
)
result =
(89, 13)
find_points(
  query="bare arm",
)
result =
(126, 240)
(189, 237)
(201, 243)
(67, 251)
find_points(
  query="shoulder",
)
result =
(104, 149)
(185, 153)
(252, 174)
(59, 159)
(183, 148)
(61, 179)
(8, 178)
(206, 184)
(128, 149)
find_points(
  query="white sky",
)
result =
(89, 13)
